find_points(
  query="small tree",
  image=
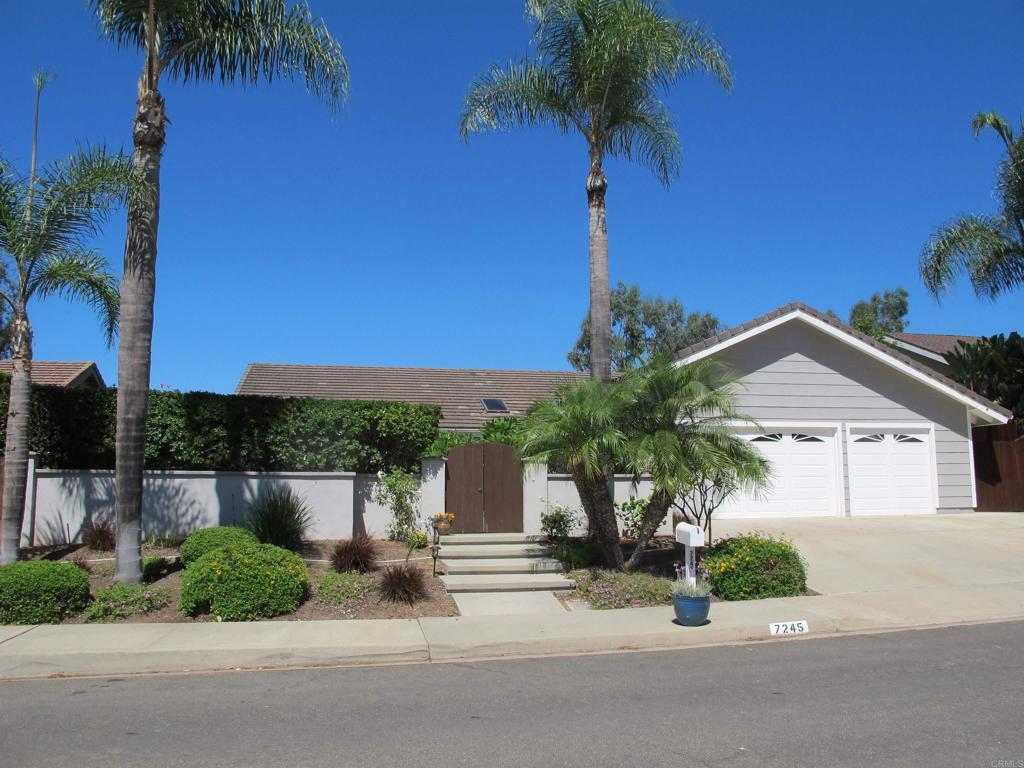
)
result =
(882, 314)
(399, 491)
(663, 421)
(709, 492)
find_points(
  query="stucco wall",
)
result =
(796, 373)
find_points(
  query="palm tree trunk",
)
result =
(599, 506)
(138, 289)
(600, 296)
(16, 449)
(656, 511)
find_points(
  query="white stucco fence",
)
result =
(60, 502)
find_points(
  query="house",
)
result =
(468, 397)
(61, 374)
(851, 425)
(929, 348)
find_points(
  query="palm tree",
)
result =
(45, 220)
(188, 40)
(666, 422)
(990, 249)
(599, 70)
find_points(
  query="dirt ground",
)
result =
(317, 556)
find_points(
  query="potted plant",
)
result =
(692, 602)
(443, 522)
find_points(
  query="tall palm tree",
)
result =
(189, 40)
(45, 221)
(599, 69)
(990, 249)
(666, 422)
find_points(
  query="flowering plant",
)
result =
(444, 516)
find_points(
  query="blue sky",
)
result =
(377, 237)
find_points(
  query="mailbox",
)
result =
(690, 536)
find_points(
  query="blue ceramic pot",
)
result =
(691, 611)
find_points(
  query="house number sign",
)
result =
(789, 628)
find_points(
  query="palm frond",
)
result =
(992, 120)
(229, 40)
(80, 275)
(649, 136)
(523, 93)
(980, 246)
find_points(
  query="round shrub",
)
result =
(206, 539)
(244, 583)
(360, 553)
(755, 566)
(41, 591)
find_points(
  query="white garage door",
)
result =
(803, 477)
(890, 473)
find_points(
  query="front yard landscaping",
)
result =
(75, 584)
(749, 567)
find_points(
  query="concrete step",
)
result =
(493, 538)
(506, 582)
(504, 565)
(489, 551)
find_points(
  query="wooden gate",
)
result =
(999, 468)
(484, 488)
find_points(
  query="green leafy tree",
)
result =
(46, 220)
(664, 421)
(882, 314)
(642, 327)
(989, 248)
(599, 69)
(189, 41)
(994, 368)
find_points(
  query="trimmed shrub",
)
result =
(207, 539)
(74, 429)
(244, 583)
(99, 535)
(280, 516)
(615, 589)
(754, 566)
(404, 583)
(41, 591)
(123, 600)
(360, 553)
(338, 588)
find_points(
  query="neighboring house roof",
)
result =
(938, 344)
(883, 352)
(61, 374)
(458, 391)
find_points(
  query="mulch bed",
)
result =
(439, 602)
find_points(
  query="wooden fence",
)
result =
(999, 468)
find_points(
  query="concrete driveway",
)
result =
(878, 554)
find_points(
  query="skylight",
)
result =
(494, 405)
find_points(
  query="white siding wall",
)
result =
(796, 373)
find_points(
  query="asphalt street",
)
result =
(942, 697)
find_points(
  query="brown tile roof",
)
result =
(60, 374)
(457, 390)
(939, 343)
(796, 306)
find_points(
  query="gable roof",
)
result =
(940, 344)
(458, 391)
(798, 311)
(61, 374)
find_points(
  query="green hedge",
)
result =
(74, 429)
(41, 591)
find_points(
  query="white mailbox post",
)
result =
(690, 536)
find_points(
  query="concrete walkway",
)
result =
(874, 575)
